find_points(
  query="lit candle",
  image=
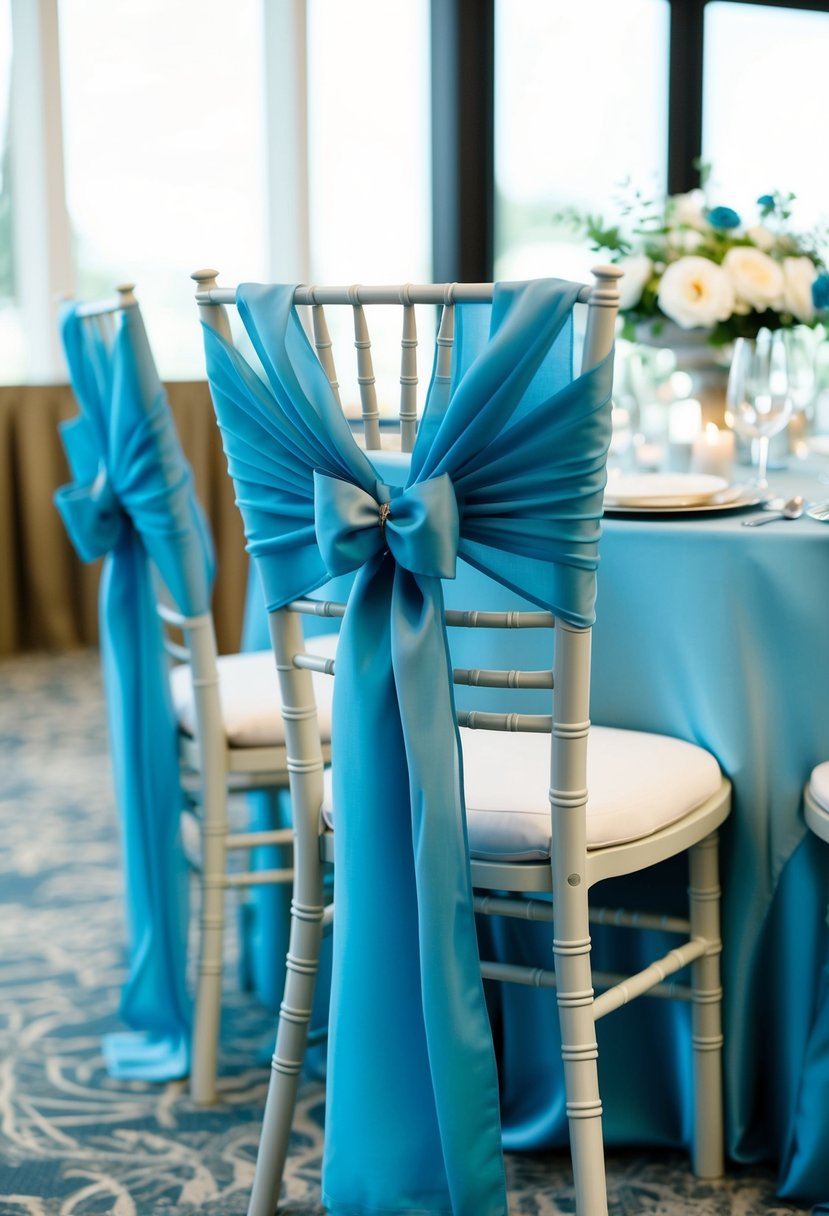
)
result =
(713, 452)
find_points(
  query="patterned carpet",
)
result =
(75, 1142)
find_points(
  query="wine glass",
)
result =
(758, 398)
(801, 349)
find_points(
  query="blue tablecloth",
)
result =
(711, 632)
(714, 633)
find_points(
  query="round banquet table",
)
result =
(715, 633)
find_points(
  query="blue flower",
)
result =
(723, 218)
(820, 292)
(766, 201)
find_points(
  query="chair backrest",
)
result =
(395, 426)
(410, 299)
(132, 502)
(118, 358)
(116, 381)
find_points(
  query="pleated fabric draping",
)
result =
(132, 501)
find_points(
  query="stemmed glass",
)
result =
(758, 398)
(801, 350)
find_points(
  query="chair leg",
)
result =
(207, 1011)
(301, 969)
(579, 1053)
(704, 902)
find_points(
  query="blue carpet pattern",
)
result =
(74, 1142)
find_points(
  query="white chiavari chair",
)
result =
(534, 830)
(231, 741)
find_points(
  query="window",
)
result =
(163, 121)
(175, 137)
(368, 139)
(174, 148)
(580, 105)
(764, 105)
(369, 160)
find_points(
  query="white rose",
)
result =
(689, 209)
(696, 292)
(798, 276)
(762, 237)
(685, 240)
(637, 270)
(758, 281)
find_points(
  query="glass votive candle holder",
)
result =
(713, 452)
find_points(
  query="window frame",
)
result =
(686, 73)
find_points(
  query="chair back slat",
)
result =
(325, 347)
(445, 341)
(408, 377)
(365, 377)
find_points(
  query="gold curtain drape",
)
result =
(47, 595)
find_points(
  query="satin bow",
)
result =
(419, 525)
(507, 473)
(92, 515)
(132, 502)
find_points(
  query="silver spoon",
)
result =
(792, 509)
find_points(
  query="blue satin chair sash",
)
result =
(507, 472)
(132, 502)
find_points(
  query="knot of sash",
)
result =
(93, 515)
(419, 526)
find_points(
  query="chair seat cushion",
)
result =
(819, 785)
(249, 693)
(637, 783)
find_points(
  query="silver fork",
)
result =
(819, 511)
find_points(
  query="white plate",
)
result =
(665, 490)
(732, 498)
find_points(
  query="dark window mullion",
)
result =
(685, 94)
(463, 108)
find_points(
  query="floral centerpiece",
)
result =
(704, 268)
